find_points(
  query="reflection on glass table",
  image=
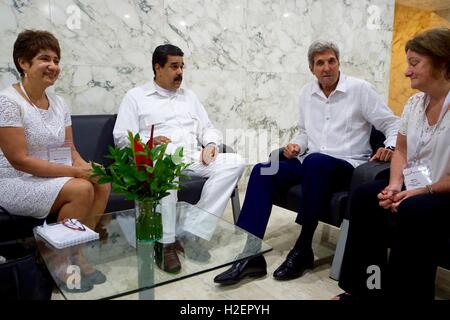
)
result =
(115, 265)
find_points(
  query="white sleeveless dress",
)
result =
(22, 193)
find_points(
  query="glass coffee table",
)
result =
(130, 267)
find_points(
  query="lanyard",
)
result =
(421, 142)
(55, 133)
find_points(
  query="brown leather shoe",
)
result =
(178, 247)
(166, 257)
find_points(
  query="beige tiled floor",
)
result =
(281, 233)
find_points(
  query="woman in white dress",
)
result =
(41, 172)
(410, 213)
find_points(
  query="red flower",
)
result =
(150, 143)
(140, 159)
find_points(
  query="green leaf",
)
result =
(142, 176)
(104, 180)
(145, 182)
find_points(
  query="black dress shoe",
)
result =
(295, 265)
(166, 257)
(251, 267)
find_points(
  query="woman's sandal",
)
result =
(83, 286)
(96, 277)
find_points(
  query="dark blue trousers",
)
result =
(320, 176)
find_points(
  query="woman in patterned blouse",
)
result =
(410, 214)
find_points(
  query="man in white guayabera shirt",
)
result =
(337, 113)
(180, 120)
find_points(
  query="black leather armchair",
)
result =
(92, 134)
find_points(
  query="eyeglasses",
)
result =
(74, 224)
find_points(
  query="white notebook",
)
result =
(66, 234)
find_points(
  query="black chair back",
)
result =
(376, 140)
(92, 135)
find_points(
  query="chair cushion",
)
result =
(118, 202)
(191, 189)
(290, 199)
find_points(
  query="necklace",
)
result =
(431, 130)
(44, 121)
(28, 97)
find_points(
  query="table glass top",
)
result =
(131, 268)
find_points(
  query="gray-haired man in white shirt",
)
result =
(337, 113)
(180, 120)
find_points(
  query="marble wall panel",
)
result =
(98, 89)
(17, 15)
(280, 32)
(210, 32)
(8, 74)
(271, 112)
(108, 32)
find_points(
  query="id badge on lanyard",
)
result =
(417, 176)
(61, 155)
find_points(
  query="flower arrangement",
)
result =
(144, 173)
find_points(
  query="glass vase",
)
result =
(148, 221)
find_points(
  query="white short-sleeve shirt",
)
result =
(436, 139)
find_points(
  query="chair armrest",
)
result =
(369, 171)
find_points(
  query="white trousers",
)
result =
(223, 175)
